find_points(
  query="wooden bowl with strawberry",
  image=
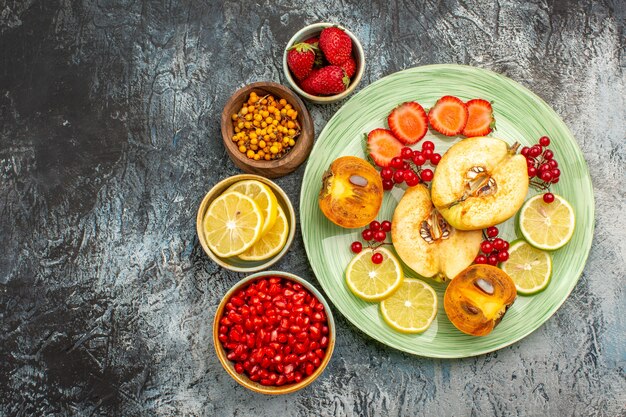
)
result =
(324, 62)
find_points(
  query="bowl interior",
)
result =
(304, 141)
(357, 53)
(242, 378)
(234, 263)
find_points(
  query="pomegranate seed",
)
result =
(275, 331)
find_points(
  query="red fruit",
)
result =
(314, 40)
(377, 258)
(386, 226)
(383, 146)
(300, 59)
(307, 84)
(427, 175)
(319, 58)
(480, 121)
(328, 80)
(356, 247)
(349, 66)
(380, 236)
(448, 116)
(336, 45)
(408, 122)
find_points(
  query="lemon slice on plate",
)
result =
(529, 267)
(547, 226)
(232, 224)
(370, 281)
(412, 308)
(271, 242)
(263, 195)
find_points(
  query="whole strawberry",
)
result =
(307, 83)
(349, 67)
(328, 80)
(336, 45)
(300, 59)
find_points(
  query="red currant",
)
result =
(546, 176)
(506, 245)
(406, 166)
(427, 153)
(374, 226)
(380, 236)
(548, 197)
(428, 145)
(435, 158)
(498, 244)
(492, 260)
(492, 231)
(544, 167)
(503, 256)
(398, 177)
(427, 175)
(532, 171)
(386, 173)
(387, 185)
(406, 153)
(356, 247)
(486, 247)
(555, 180)
(377, 258)
(367, 235)
(480, 259)
(413, 181)
(544, 141)
(409, 175)
(553, 163)
(548, 154)
(419, 160)
(556, 173)
(525, 150)
(386, 226)
(396, 162)
(534, 151)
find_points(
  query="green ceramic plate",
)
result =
(520, 116)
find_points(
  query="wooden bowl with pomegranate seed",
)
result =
(288, 161)
(274, 332)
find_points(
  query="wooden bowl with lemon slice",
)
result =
(246, 223)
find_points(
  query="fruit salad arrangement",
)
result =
(274, 331)
(444, 227)
(324, 65)
(246, 221)
(266, 128)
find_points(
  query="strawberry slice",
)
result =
(383, 146)
(480, 121)
(408, 122)
(448, 116)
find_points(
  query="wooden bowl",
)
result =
(298, 153)
(357, 53)
(242, 378)
(234, 263)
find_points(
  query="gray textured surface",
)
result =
(109, 138)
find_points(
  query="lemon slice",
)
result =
(370, 281)
(232, 224)
(412, 308)
(530, 268)
(271, 242)
(263, 195)
(547, 226)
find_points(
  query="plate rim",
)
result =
(587, 177)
